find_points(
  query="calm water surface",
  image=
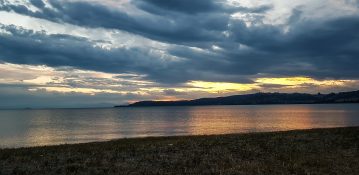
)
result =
(22, 128)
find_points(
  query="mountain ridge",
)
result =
(259, 98)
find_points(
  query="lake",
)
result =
(23, 128)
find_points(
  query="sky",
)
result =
(98, 53)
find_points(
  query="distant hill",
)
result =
(260, 98)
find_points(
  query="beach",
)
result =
(314, 151)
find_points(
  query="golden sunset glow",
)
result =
(194, 87)
(44, 78)
(214, 87)
(76, 90)
(285, 81)
(295, 81)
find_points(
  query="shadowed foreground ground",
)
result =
(319, 151)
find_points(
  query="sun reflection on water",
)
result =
(20, 128)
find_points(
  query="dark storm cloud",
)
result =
(183, 29)
(184, 6)
(192, 26)
(38, 3)
(321, 48)
(331, 46)
(36, 48)
(28, 47)
(193, 7)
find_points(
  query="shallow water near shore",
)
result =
(23, 128)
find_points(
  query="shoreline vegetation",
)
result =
(314, 151)
(259, 99)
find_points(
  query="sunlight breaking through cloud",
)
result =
(133, 50)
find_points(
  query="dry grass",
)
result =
(319, 151)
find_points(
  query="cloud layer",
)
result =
(176, 42)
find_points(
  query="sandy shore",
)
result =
(317, 151)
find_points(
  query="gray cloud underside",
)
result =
(154, 27)
(15, 96)
(316, 48)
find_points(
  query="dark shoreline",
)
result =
(264, 104)
(259, 99)
(314, 151)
